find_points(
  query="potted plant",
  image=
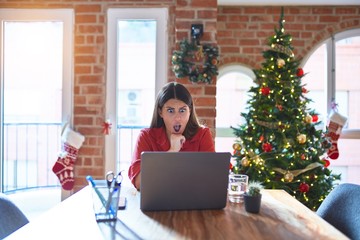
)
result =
(252, 197)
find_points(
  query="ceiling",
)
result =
(287, 2)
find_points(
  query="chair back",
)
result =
(11, 217)
(341, 208)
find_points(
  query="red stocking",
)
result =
(64, 166)
(334, 129)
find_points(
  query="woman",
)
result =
(174, 128)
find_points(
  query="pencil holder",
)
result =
(105, 201)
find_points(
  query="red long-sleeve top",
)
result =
(155, 139)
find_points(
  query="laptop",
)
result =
(184, 180)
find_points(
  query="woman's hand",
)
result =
(137, 182)
(176, 142)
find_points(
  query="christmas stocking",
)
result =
(64, 166)
(336, 122)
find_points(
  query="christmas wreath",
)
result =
(198, 62)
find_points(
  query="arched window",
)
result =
(232, 86)
(333, 76)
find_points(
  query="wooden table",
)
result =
(280, 217)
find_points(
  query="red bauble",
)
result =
(299, 72)
(326, 162)
(266, 147)
(304, 187)
(315, 118)
(231, 166)
(265, 91)
(304, 90)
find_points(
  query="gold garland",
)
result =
(184, 64)
(297, 172)
(271, 125)
(282, 49)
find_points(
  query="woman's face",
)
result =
(175, 114)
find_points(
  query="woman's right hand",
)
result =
(176, 142)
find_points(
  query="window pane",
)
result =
(315, 81)
(136, 71)
(136, 64)
(33, 73)
(348, 80)
(231, 97)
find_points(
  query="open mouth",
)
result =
(177, 128)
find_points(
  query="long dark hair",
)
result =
(174, 90)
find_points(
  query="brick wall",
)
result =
(240, 32)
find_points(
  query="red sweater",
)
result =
(155, 139)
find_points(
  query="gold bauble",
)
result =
(236, 146)
(174, 57)
(308, 118)
(288, 177)
(245, 162)
(280, 63)
(301, 138)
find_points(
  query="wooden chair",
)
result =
(11, 217)
(341, 208)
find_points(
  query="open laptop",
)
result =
(184, 180)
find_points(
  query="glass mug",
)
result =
(237, 187)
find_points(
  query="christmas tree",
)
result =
(281, 143)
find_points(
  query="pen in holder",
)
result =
(105, 199)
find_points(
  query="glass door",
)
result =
(32, 97)
(137, 69)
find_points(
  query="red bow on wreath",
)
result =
(106, 127)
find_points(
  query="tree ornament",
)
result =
(300, 72)
(304, 90)
(245, 162)
(303, 156)
(280, 62)
(282, 49)
(325, 162)
(315, 118)
(198, 62)
(265, 91)
(237, 153)
(288, 176)
(236, 146)
(304, 187)
(308, 118)
(280, 107)
(266, 147)
(301, 138)
(106, 127)
(231, 166)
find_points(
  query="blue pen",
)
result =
(91, 180)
